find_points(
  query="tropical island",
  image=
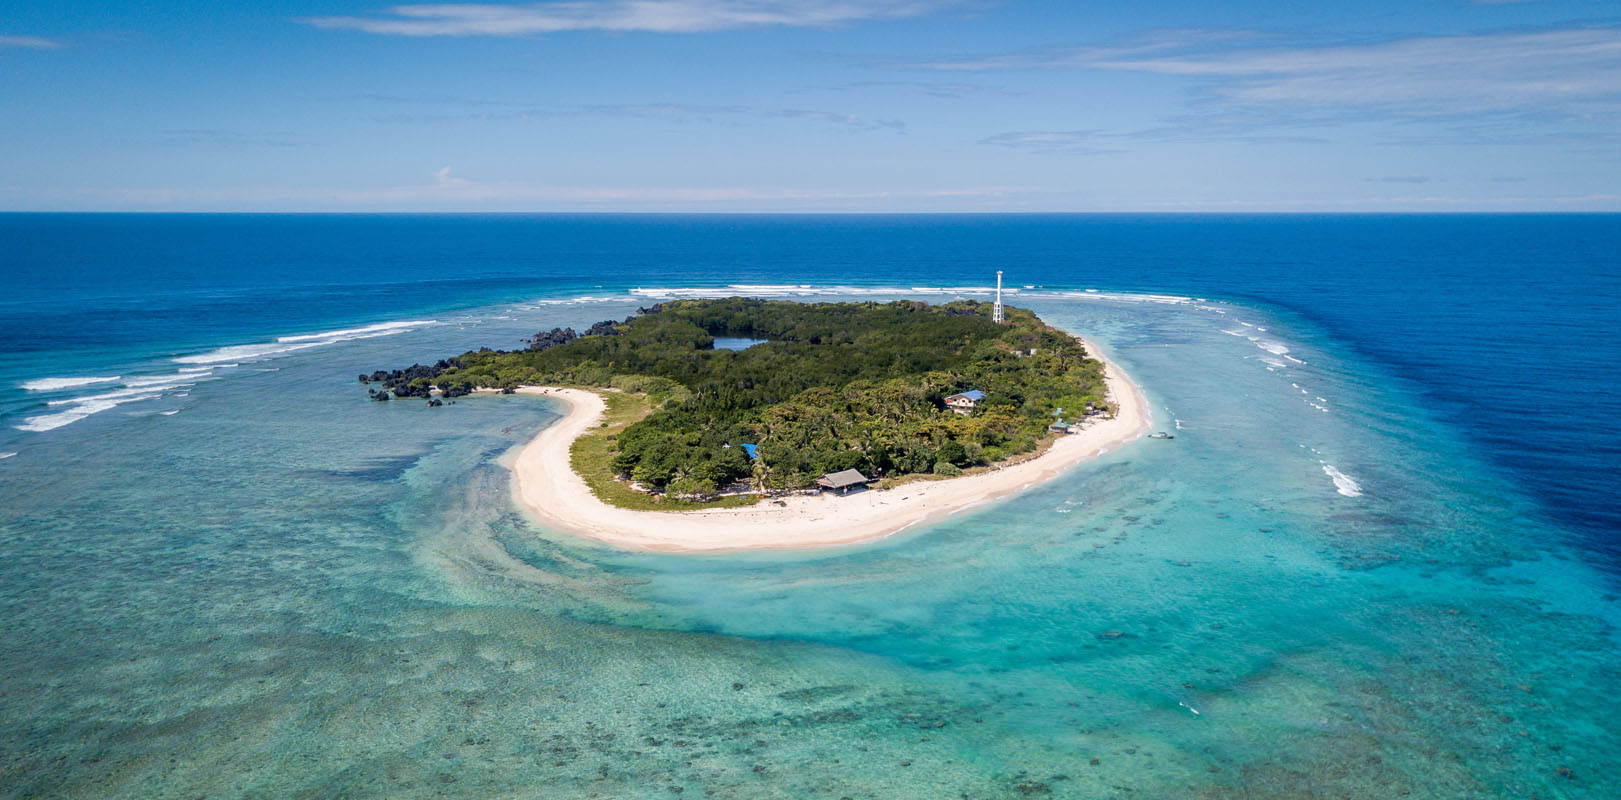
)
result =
(691, 411)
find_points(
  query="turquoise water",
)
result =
(1377, 558)
(286, 590)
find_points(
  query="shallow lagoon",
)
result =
(1313, 590)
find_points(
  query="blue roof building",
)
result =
(965, 402)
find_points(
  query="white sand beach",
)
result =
(545, 484)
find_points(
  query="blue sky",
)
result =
(811, 105)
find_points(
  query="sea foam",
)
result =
(1342, 482)
(68, 410)
(54, 384)
(100, 403)
(380, 329)
(289, 344)
(807, 290)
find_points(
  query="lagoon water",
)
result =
(1379, 557)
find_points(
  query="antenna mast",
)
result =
(996, 310)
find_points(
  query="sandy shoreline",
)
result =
(545, 484)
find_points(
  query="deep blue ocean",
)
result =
(1507, 323)
(1381, 556)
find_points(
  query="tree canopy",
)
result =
(835, 386)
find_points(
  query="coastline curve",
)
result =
(545, 484)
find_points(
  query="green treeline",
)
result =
(837, 386)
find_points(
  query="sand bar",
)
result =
(546, 484)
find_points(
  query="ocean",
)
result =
(1381, 555)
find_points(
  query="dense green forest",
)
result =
(836, 386)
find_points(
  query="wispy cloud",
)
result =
(933, 89)
(847, 120)
(1074, 143)
(1102, 142)
(29, 42)
(443, 179)
(655, 16)
(443, 190)
(679, 113)
(1088, 56)
(673, 112)
(1574, 72)
(218, 137)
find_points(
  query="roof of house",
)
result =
(972, 394)
(752, 450)
(840, 480)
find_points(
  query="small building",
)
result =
(1059, 426)
(843, 481)
(966, 402)
(753, 451)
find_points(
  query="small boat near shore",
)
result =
(1161, 435)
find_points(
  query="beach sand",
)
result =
(546, 484)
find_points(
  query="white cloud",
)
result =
(1100, 142)
(1574, 72)
(848, 120)
(442, 177)
(656, 16)
(29, 42)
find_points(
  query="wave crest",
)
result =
(1342, 483)
(55, 384)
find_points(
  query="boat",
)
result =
(1161, 435)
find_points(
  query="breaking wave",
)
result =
(808, 290)
(55, 384)
(1342, 482)
(288, 344)
(81, 409)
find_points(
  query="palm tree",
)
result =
(758, 476)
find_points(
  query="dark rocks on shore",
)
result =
(378, 396)
(435, 403)
(400, 381)
(508, 390)
(546, 340)
(561, 336)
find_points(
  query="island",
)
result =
(738, 423)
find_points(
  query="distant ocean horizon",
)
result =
(1398, 459)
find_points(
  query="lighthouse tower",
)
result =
(996, 310)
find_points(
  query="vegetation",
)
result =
(592, 457)
(837, 386)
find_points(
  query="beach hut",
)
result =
(1059, 426)
(842, 481)
(965, 402)
(753, 451)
